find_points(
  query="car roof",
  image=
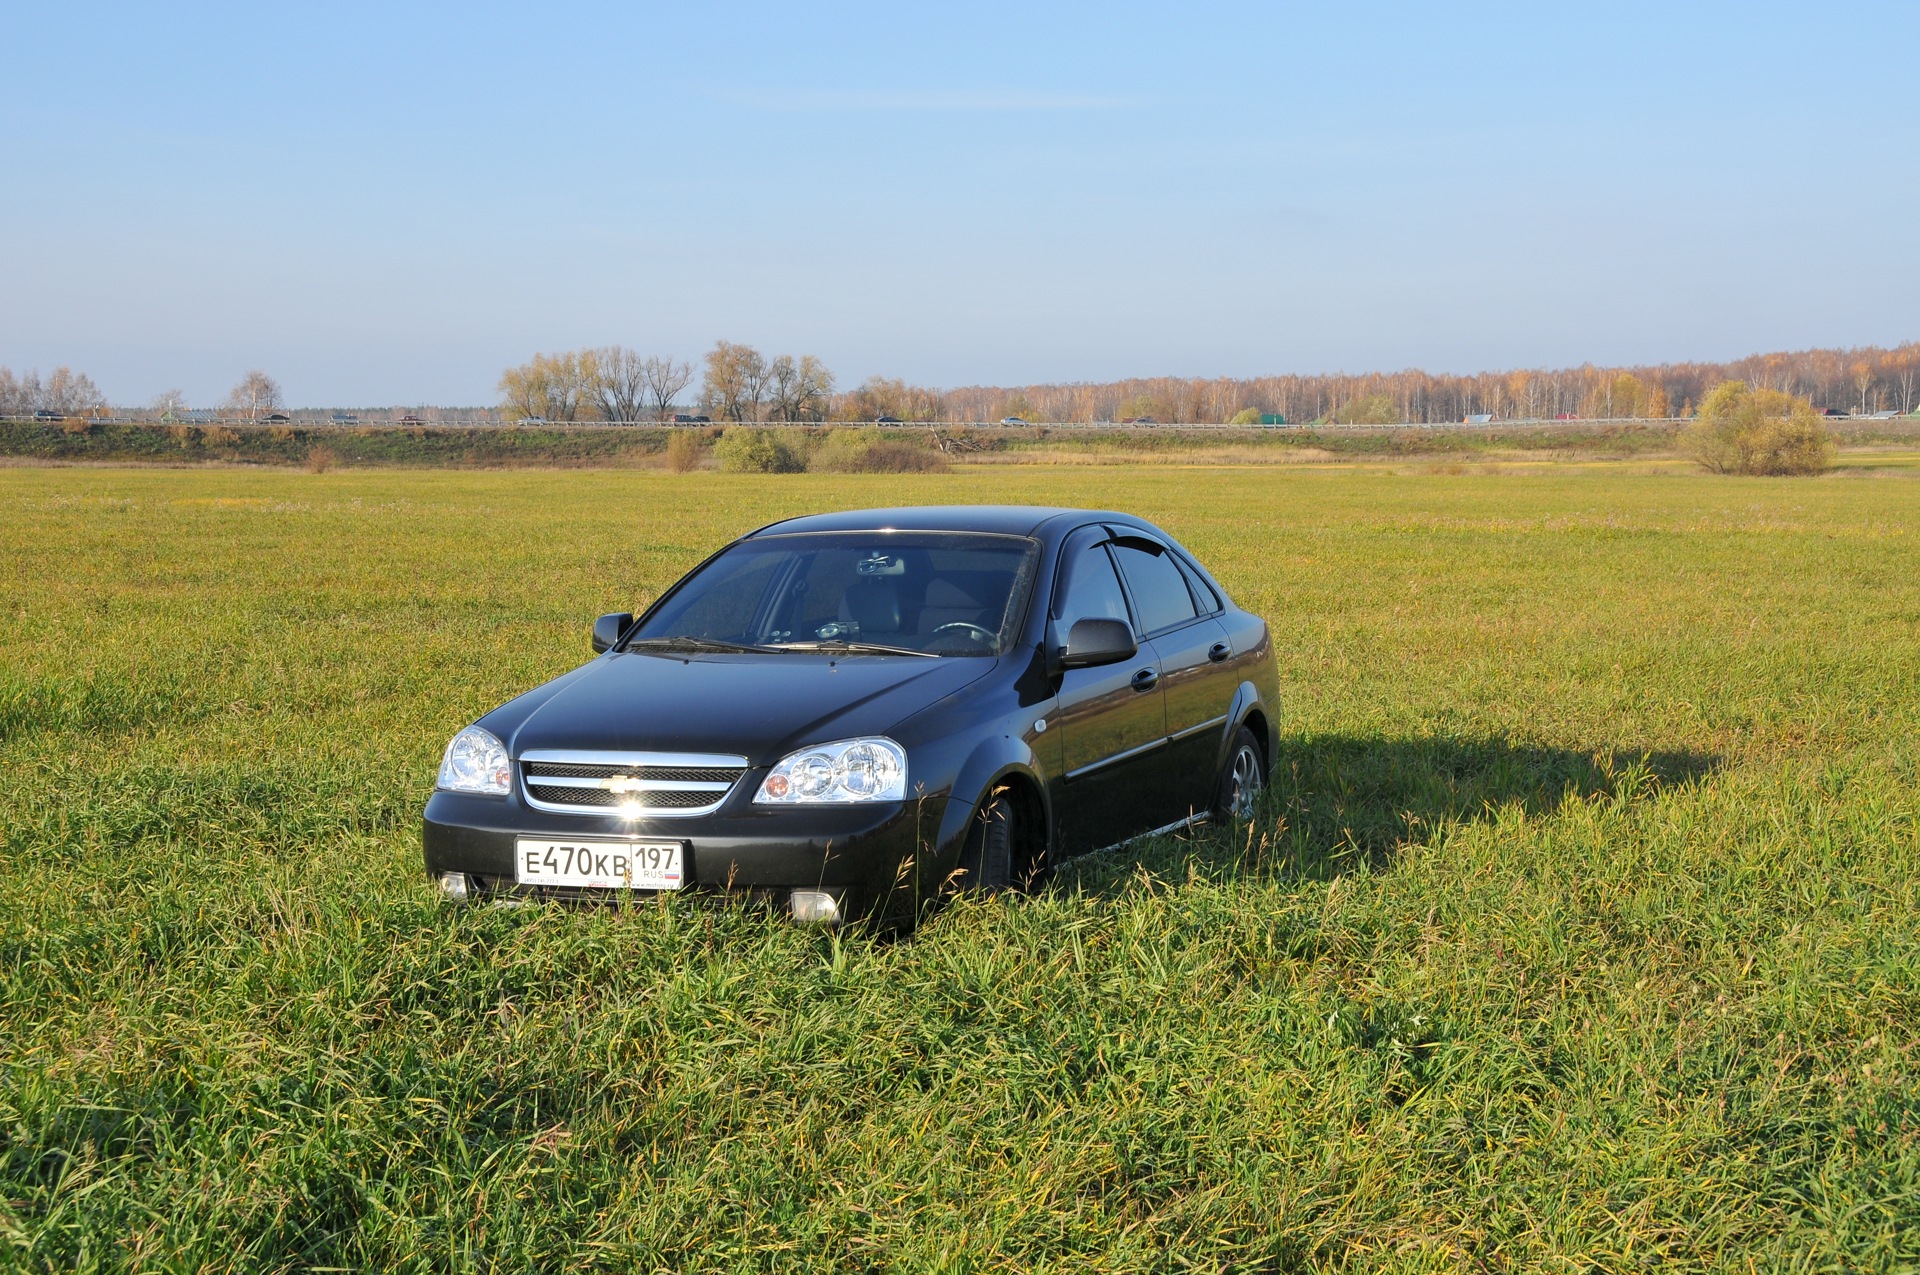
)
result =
(1008, 520)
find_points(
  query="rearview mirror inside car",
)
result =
(1093, 642)
(608, 628)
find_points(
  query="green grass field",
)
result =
(1579, 932)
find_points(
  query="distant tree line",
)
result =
(739, 384)
(1862, 380)
(70, 394)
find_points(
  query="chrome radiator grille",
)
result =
(601, 783)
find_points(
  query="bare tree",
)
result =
(255, 396)
(616, 382)
(1863, 378)
(16, 398)
(1905, 364)
(169, 405)
(665, 379)
(66, 392)
(798, 389)
(735, 383)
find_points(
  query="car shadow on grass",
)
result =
(1336, 802)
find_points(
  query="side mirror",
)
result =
(1091, 643)
(608, 628)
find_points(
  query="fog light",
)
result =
(815, 907)
(454, 887)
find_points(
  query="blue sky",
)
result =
(389, 203)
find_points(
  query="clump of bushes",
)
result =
(746, 450)
(868, 451)
(683, 451)
(1743, 430)
(321, 458)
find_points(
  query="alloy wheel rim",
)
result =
(1246, 784)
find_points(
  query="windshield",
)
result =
(910, 593)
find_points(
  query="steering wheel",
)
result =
(972, 630)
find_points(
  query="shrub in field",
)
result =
(321, 458)
(684, 451)
(1246, 416)
(1743, 430)
(894, 456)
(867, 451)
(746, 450)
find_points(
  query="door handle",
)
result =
(1146, 679)
(1219, 651)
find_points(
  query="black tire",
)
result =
(1241, 781)
(986, 864)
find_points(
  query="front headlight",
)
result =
(850, 770)
(476, 762)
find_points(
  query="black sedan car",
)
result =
(852, 714)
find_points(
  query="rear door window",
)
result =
(1158, 588)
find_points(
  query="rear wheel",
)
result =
(1241, 782)
(986, 864)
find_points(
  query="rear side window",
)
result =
(1203, 595)
(1091, 591)
(1158, 588)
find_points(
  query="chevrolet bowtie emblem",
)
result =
(624, 783)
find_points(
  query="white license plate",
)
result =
(605, 865)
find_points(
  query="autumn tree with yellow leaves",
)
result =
(1744, 430)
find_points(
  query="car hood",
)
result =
(757, 706)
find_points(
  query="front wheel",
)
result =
(986, 865)
(1241, 782)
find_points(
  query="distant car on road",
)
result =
(345, 418)
(888, 420)
(1837, 413)
(1015, 420)
(847, 714)
(46, 414)
(682, 418)
(411, 419)
(275, 418)
(1140, 420)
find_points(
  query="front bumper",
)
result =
(866, 855)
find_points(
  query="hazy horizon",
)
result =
(381, 205)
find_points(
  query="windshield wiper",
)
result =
(685, 643)
(855, 648)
